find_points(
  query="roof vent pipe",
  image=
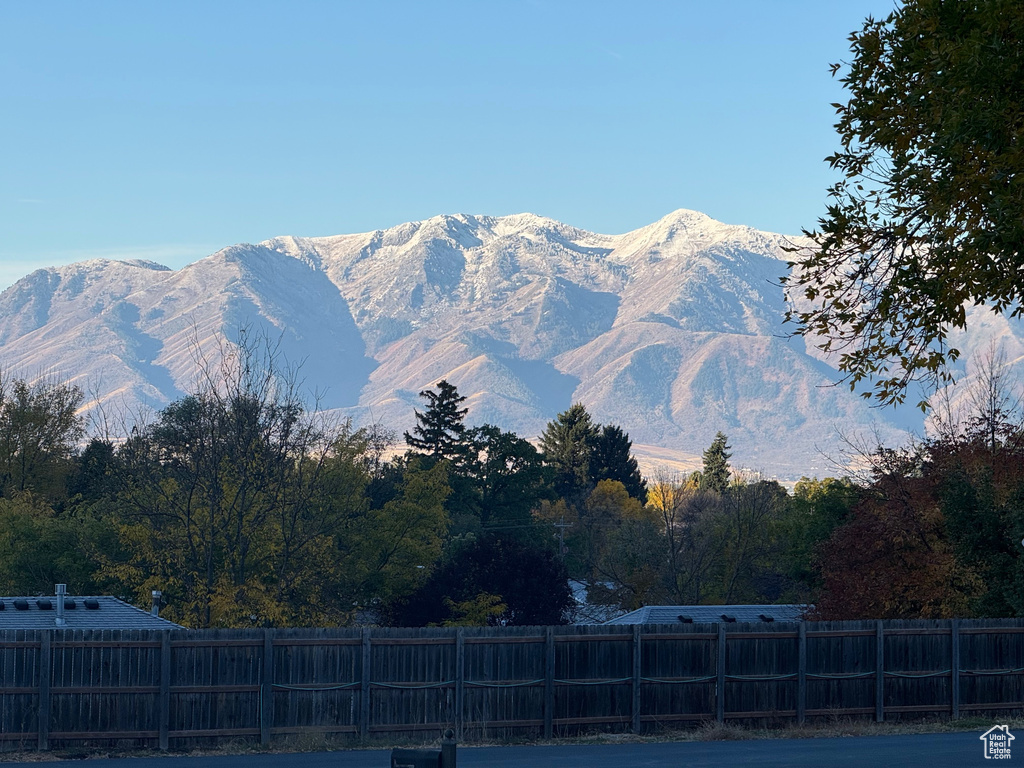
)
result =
(157, 601)
(61, 591)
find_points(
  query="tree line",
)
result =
(248, 508)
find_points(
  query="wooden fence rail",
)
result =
(194, 688)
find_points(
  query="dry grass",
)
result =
(839, 727)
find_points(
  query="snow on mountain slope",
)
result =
(672, 330)
(129, 334)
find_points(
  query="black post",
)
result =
(165, 689)
(549, 682)
(720, 682)
(954, 667)
(460, 681)
(45, 665)
(267, 688)
(637, 663)
(801, 675)
(448, 749)
(879, 672)
(364, 688)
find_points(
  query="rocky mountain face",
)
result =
(672, 331)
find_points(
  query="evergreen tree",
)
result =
(715, 476)
(612, 459)
(440, 431)
(568, 445)
(441, 435)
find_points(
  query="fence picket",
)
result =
(193, 688)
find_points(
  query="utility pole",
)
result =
(561, 525)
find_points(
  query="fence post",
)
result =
(45, 665)
(954, 667)
(364, 697)
(549, 682)
(165, 689)
(637, 663)
(449, 755)
(720, 682)
(801, 674)
(879, 672)
(460, 681)
(267, 687)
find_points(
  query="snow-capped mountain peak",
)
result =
(671, 330)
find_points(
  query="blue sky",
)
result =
(168, 130)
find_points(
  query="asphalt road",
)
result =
(929, 750)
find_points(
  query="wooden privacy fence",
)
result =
(191, 688)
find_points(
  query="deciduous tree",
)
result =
(927, 217)
(893, 559)
(40, 548)
(527, 583)
(816, 510)
(510, 478)
(692, 548)
(39, 432)
(230, 500)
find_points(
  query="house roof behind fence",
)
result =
(81, 612)
(711, 614)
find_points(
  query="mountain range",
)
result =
(672, 331)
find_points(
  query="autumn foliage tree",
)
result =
(893, 558)
(938, 532)
(687, 518)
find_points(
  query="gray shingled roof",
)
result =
(111, 613)
(710, 614)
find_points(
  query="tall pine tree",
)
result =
(441, 436)
(568, 444)
(715, 476)
(439, 431)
